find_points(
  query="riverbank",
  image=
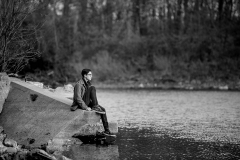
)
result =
(171, 85)
(148, 82)
(10, 149)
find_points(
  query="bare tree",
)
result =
(18, 41)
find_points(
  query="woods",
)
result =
(17, 37)
(121, 40)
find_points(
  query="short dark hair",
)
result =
(85, 71)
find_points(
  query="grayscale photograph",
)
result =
(119, 79)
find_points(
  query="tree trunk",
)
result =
(229, 9)
(136, 16)
(75, 30)
(186, 16)
(144, 22)
(220, 10)
(83, 12)
(178, 19)
(238, 8)
(197, 15)
(55, 34)
(67, 36)
(169, 15)
(128, 20)
(109, 17)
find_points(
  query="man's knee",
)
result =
(92, 88)
(102, 108)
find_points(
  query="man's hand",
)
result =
(88, 109)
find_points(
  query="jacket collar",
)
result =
(82, 83)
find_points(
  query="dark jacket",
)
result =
(78, 93)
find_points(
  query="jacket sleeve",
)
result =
(78, 97)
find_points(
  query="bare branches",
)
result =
(17, 41)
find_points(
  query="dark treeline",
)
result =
(136, 39)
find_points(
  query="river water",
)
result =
(158, 124)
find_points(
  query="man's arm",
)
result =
(78, 97)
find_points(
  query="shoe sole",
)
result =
(109, 135)
(73, 109)
(99, 112)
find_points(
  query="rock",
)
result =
(10, 143)
(68, 88)
(2, 101)
(65, 88)
(59, 156)
(4, 78)
(20, 155)
(59, 89)
(24, 151)
(51, 90)
(42, 154)
(92, 129)
(1, 145)
(38, 84)
(223, 87)
(5, 156)
(1, 129)
(52, 147)
(189, 87)
(2, 150)
(64, 158)
(89, 129)
(61, 144)
(4, 88)
(11, 150)
(71, 141)
(2, 137)
(141, 85)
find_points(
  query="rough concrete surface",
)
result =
(4, 88)
(32, 116)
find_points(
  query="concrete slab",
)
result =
(32, 116)
(4, 88)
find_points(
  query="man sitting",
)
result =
(85, 98)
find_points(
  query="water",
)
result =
(157, 124)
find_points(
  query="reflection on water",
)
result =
(93, 152)
(169, 125)
(146, 144)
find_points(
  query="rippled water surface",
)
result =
(157, 124)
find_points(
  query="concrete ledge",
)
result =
(4, 88)
(32, 116)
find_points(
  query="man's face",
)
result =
(88, 76)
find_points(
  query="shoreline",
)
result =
(171, 86)
(211, 84)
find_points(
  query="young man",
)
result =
(85, 98)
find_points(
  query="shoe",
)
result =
(100, 134)
(107, 133)
(98, 110)
(74, 108)
(105, 138)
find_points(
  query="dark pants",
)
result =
(91, 101)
